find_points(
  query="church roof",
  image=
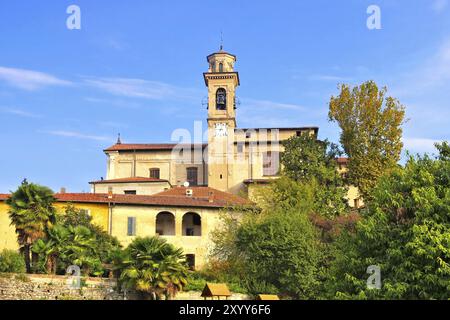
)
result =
(129, 180)
(149, 146)
(342, 160)
(221, 51)
(205, 193)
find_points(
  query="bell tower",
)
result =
(222, 81)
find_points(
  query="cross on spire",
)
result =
(221, 41)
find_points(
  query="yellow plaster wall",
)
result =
(140, 188)
(171, 165)
(8, 238)
(146, 226)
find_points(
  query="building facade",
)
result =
(185, 217)
(177, 191)
(232, 158)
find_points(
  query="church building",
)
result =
(177, 191)
(233, 160)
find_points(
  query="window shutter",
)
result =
(131, 226)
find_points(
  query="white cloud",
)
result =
(139, 88)
(19, 112)
(439, 5)
(433, 73)
(125, 103)
(29, 79)
(74, 134)
(266, 113)
(419, 145)
(254, 104)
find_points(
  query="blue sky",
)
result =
(135, 67)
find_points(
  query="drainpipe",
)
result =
(110, 214)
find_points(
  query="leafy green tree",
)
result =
(311, 162)
(275, 249)
(405, 231)
(306, 158)
(153, 267)
(371, 132)
(32, 214)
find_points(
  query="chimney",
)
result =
(62, 190)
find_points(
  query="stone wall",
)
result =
(44, 287)
(51, 287)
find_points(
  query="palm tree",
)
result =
(66, 246)
(154, 267)
(32, 213)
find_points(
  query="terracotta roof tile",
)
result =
(205, 193)
(342, 160)
(201, 198)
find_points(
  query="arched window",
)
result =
(192, 224)
(165, 224)
(221, 99)
(213, 67)
(220, 67)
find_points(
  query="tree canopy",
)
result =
(371, 132)
(405, 231)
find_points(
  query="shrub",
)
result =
(11, 261)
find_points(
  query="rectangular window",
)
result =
(240, 147)
(131, 226)
(154, 173)
(129, 192)
(86, 212)
(192, 176)
(271, 163)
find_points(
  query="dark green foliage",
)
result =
(12, 262)
(306, 158)
(74, 240)
(406, 232)
(275, 249)
(312, 163)
(105, 244)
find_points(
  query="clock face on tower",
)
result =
(220, 130)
